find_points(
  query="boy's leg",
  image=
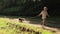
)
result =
(43, 23)
(44, 20)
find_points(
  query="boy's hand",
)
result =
(38, 15)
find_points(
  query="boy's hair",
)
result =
(44, 7)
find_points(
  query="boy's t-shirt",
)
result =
(44, 14)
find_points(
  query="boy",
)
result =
(44, 14)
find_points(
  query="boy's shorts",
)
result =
(43, 18)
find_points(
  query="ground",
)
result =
(31, 21)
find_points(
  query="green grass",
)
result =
(8, 27)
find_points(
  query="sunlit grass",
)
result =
(12, 27)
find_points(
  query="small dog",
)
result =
(21, 20)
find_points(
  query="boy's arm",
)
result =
(48, 15)
(40, 14)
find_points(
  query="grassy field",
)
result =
(8, 26)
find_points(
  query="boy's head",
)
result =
(45, 8)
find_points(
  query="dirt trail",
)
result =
(39, 26)
(47, 28)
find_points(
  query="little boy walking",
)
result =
(44, 14)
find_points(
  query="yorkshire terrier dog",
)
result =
(20, 19)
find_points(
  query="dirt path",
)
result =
(46, 27)
(40, 26)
